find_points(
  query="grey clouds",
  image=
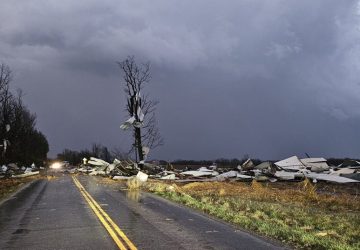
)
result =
(265, 78)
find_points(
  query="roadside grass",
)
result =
(133, 183)
(8, 186)
(298, 215)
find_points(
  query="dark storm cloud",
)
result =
(267, 78)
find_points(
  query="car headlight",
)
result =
(55, 165)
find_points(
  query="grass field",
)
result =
(8, 186)
(294, 213)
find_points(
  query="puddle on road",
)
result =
(133, 195)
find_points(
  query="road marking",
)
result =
(113, 224)
(105, 219)
(101, 218)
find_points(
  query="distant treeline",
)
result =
(221, 162)
(338, 161)
(97, 150)
(102, 152)
(20, 141)
(235, 162)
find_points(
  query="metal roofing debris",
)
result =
(11, 170)
(243, 176)
(342, 171)
(120, 177)
(350, 163)
(227, 175)
(97, 162)
(26, 174)
(168, 177)
(290, 169)
(140, 114)
(292, 163)
(267, 167)
(200, 173)
(315, 164)
(354, 176)
(132, 120)
(329, 177)
(247, 165)
(313, 160)
(28, 170)
(283, 175)
(128, 123)
(145, 151)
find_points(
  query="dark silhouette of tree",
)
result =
(20, 141)
(6, 99)
(139, 107)
(76, 157)
(101, 152)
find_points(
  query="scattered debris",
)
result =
(283, 175)
(247, 165)
(291, 164)
(329, 177)
(142, 176)
(350, 164)
(168, 177)
(315, 164)
(290, 169)
(119, 177)
(26, 174)
(200, 173)
(342, 171)
(12, 170)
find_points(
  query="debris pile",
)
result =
(100, 167)
(13, 171)
(317, 169)
(290, 169)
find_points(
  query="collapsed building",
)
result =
(289, 169)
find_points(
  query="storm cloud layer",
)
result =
(264, 78)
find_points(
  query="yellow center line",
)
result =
(112, 223)
(102, 220)
(105, 219)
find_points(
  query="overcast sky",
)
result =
(268, 78)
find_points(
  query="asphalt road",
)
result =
(55, 215)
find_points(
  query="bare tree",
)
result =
(140, 107)
(17, 126)
(6, 105)
(5, 79)
(119, 154)
(96, 150)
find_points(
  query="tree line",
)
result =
(97, 150)
(221, 162)
(236, 162)
(21, 142)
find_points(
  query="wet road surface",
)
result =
(54, 215)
